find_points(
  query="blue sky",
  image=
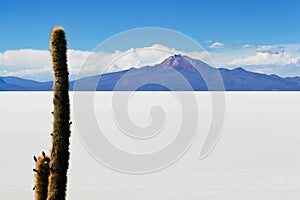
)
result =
(222, 27)
(26, 24)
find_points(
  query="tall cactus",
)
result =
(42, 172)
(59, 155)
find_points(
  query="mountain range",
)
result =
(176, 73)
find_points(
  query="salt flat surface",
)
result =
(257, 156)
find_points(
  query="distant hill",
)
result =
(241, 80)
(11, 83)
(176, 73)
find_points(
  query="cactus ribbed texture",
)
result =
(42, 172)
(59, 155)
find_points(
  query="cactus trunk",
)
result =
(41, 177)
(59, 155)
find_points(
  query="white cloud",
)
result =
(28, 73)
(247, 46)
(217, 45)
(266, 70)
(25, 58)
(265, 58)
(283, 60)
(270, 49)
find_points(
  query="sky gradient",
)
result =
(248, 30)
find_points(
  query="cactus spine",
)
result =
(59, 155)
(42, 172)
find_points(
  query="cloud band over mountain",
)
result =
(283, 60)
